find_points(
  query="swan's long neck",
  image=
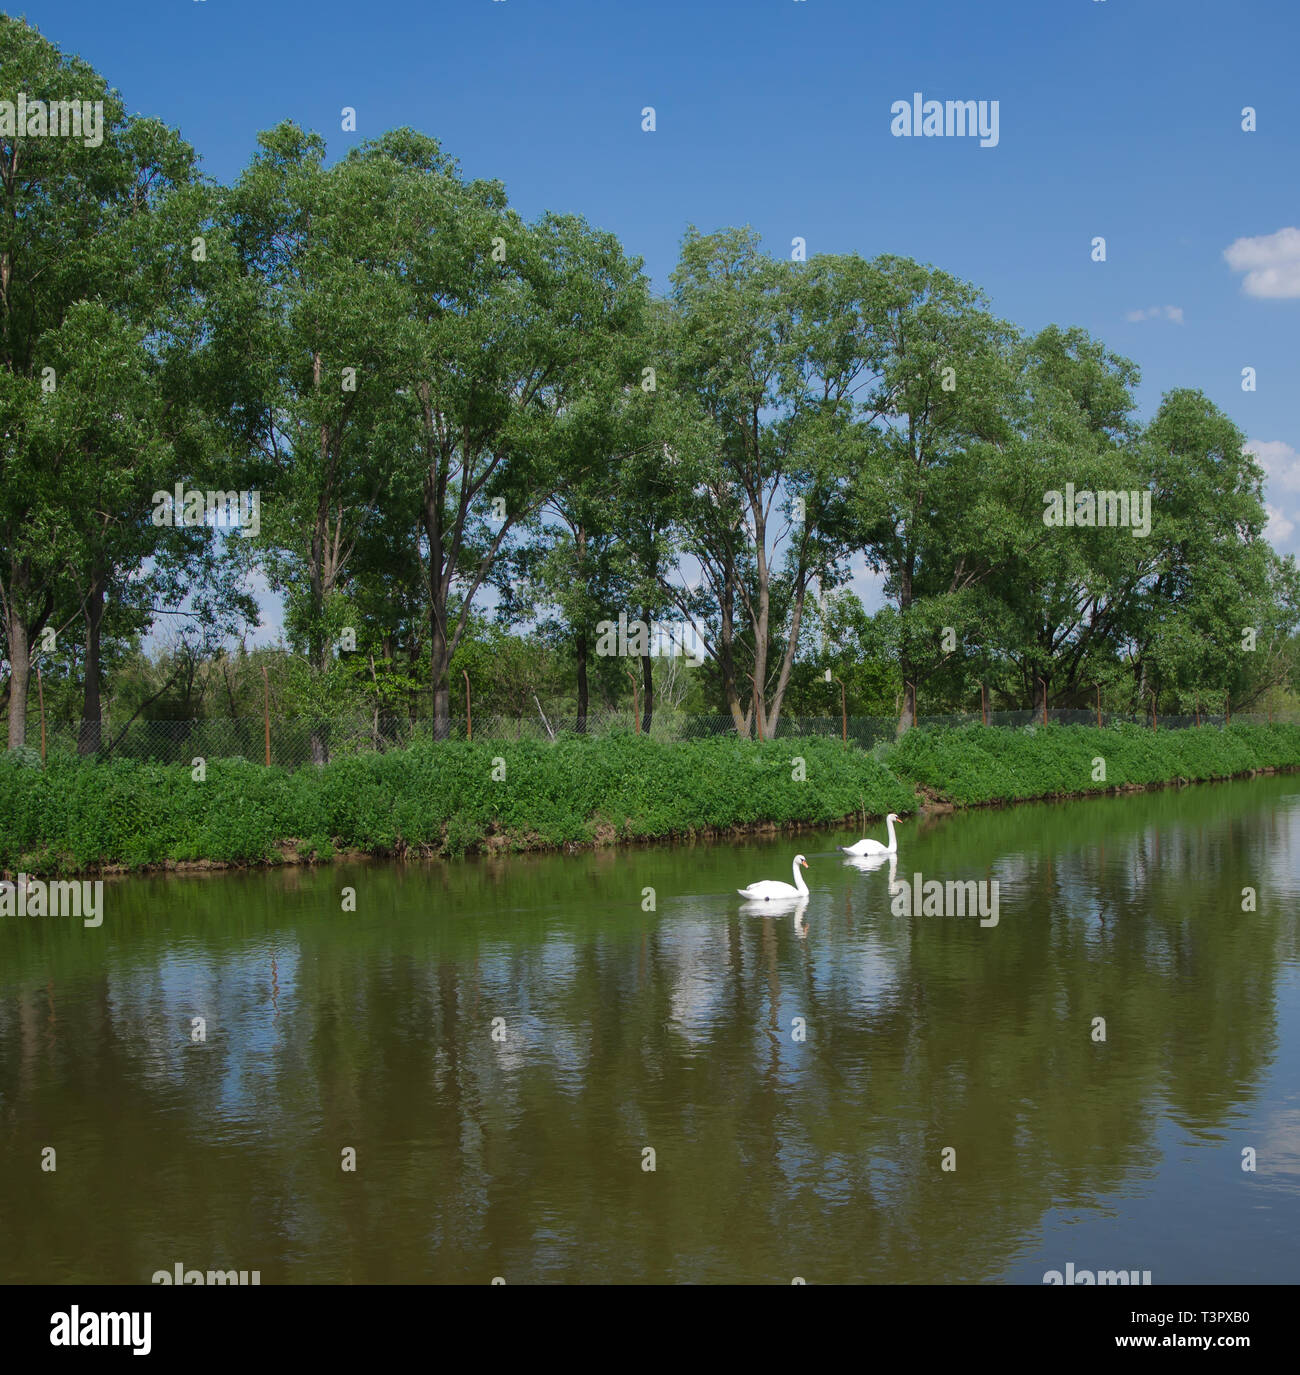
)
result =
(798, 878)
(893, 839)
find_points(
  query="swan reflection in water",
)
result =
(779, 907)
(870, 863)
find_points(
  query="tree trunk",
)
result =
(647, 683)
(907, 717)
(90, 737)
(22, 628)
(439, 662)
(760, 624)
(441, 563)
(583, 691)
(726, 650)
(321, 574)
(20, 671)
(319, 655)
(787, 659)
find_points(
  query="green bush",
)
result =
(445, 798)
(450, 797)
(974, 764)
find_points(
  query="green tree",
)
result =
(935, 501)
(511, 361)
(306, 358)
(1217, 606)
(770, 355)
(97, 318)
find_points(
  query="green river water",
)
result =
(502, 1042)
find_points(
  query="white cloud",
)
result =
(1174, 313)
(1280, 462)
(1271, 263)
(1281, 465)
(1279, 528)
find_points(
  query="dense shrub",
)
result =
(450, 797)
(974, 764)
(447, 798)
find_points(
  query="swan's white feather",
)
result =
(770, 888)
(866, 847)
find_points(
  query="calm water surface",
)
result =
(675, 1029)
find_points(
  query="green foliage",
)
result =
(970, 765)
(443, 798)
(436, 798)
(432, 396)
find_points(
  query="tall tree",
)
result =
(513, 358)
(97, 318)
(771, 354)
(1064, 601)
(1216, 604)
(304, 357)
(932, 499)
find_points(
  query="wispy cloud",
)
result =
(1271, 263)
(1174, 313)
(1281, 465)
(1279, 527)
(1280, 462)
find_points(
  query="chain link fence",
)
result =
(295, 742)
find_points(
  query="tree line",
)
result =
(476, 438)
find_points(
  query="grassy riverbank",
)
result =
(971, 765)
(437, 799)
(454, 797)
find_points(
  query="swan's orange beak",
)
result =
(805, 863)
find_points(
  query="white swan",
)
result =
(770, 888)
(874, 847)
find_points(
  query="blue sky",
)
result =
(1119, 118)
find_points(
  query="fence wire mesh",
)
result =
(297, 742)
